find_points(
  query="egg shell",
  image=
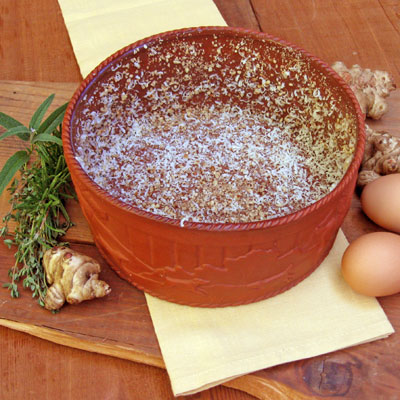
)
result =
(380, 200)
(371, 264)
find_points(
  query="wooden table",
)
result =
(34, 46)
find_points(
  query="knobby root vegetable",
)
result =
(381, 156)
(382, 150)
(370, 87)
(73, 277)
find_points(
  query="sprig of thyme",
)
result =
(37, 196)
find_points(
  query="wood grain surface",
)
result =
(34, 46)
(120, 325)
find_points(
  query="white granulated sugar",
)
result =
(171, 145)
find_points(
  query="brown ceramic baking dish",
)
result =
(233, 262)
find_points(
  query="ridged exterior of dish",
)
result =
(212, 265)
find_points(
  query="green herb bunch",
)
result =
(38, 194)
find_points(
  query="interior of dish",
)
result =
(214, 128)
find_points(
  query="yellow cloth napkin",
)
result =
(98, 28)
(205, 347)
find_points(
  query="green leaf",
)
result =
(8, 122)
(21, 131)
(13, 164)
(8, 242)
(39, 113)
(53, 120)
(46, 137)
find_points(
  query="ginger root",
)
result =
(73, 277)
(381, 156)
(370, 87)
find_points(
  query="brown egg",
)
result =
(371, 264)
(380, 200)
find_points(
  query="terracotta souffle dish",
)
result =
(214, 165)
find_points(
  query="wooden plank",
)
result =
(238, 13)
(120, 325)
(33, 368)
(32, 49)
(127, 304)
(121, 319)
(34, 42)
(82, 343)
(266, 389)
(365, 32)
(347, 373)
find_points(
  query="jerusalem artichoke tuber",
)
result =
(381, 156)
(370, 87)
(382, 150)
(73, 278)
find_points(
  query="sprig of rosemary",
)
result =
(37, 196)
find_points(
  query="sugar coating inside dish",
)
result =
(214, 131)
